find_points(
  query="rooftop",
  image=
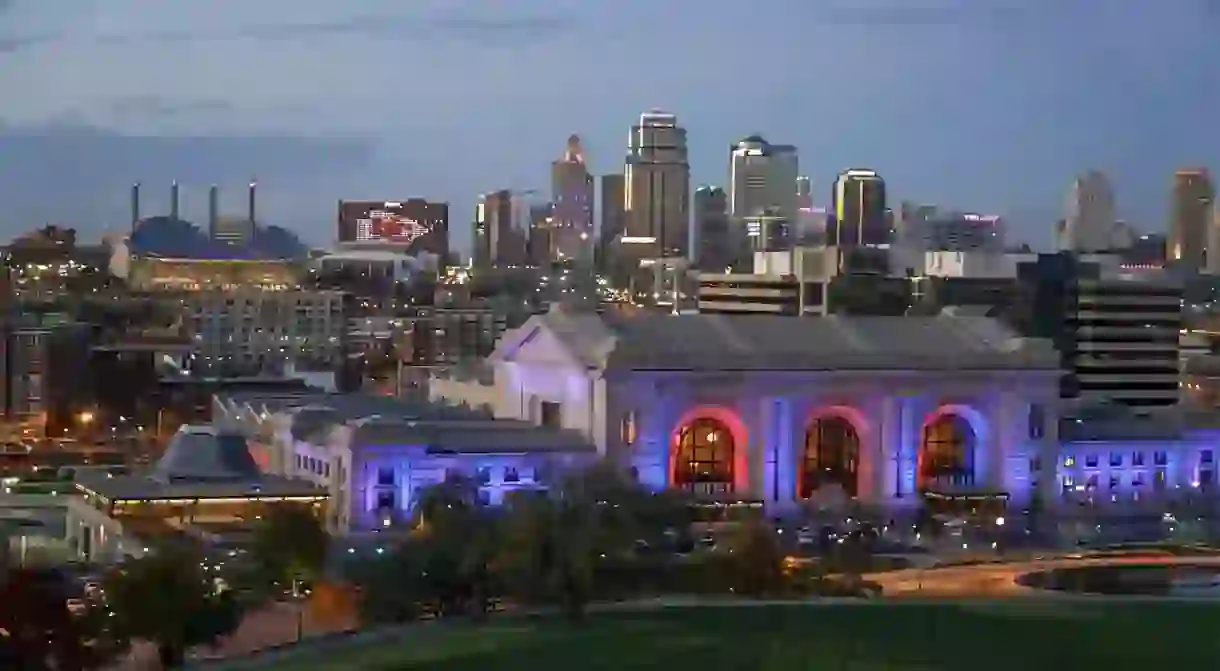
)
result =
(198, 463)
(649, 341)
(378, 420)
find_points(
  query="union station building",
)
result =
(775, 411)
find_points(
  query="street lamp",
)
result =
(85, 417)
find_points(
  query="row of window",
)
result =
(386, 475)
(313, 465)
(1118, 459)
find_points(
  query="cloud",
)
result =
(485, 31)
(79, 175)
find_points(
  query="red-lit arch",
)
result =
(737, 430)
(949, 443)
(846, 417)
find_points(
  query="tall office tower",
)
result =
(656, 179)
(499, 239)
(804, 193)
(572, 197)
(762, 179)
(1089, 220)
(860, 217)
(1190, 217)
(538, 242)
(716, 245)
(613, 219)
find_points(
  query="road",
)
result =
(999, 580)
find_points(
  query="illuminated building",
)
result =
(860, 216)
(1191, 217)
(770, 409)
(762, 178)
(572, 199)
(251, 330)
(205, 478)
(656, 179)
(499, 233)
(414, 224)
(373, 455)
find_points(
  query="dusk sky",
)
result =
(988, 105)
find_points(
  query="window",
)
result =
(1037, 421)
(1160, 458)
(483, 475)
(1035, 465)
(1090, 461)
(1116, 459)
(551, 414)
(386, 501)
(1115, 482)
(627, 429)
(1069, 461)
(1206, 457)
(1159, 479)
(1137, 458)
(385, 476)
(511, 475)
(484, 497)
(1206, 477)
(1090, 485)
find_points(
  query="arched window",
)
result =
(704, 459)
(831, 457)
(946, 453)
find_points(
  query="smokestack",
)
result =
(173, 200)
(135, 206)
(253, 202)
(213, 210)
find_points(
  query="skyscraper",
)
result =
(804, 193)
(572, 197)
(762, 178)
(499, 237)
(656, 189)
(716, 246)
(1190, 217)
(860, 217)
(612, 220)
(1089, 219)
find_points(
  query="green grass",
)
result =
(1015, 636)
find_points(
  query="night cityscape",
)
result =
(784, 415)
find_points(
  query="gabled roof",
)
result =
(701, 342)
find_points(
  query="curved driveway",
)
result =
(1000, 580)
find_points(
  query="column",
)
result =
(774, 453)
(907, 447)
(886, 477)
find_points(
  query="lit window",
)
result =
(627, 428)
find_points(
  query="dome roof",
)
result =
(166, 237)
(199, 454)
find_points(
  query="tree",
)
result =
(290, 548)
(756, 561)
(169, 600)
(556, 542)
(36, 629)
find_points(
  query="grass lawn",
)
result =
(1016, 636)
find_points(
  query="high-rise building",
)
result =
(499, 240)
(656, 179)
(716, 245)
(1089, 219)
(860, 216)
(804, 193)
(762, 179)
(924, 228)
(572, 198)
(539, 243)
(1190, 217)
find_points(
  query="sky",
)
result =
(984, 105)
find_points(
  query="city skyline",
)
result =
(1005, 130)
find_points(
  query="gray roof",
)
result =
(199, 454)
(705, 342)
(378, 420)
(134, 487)
(198, 463)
